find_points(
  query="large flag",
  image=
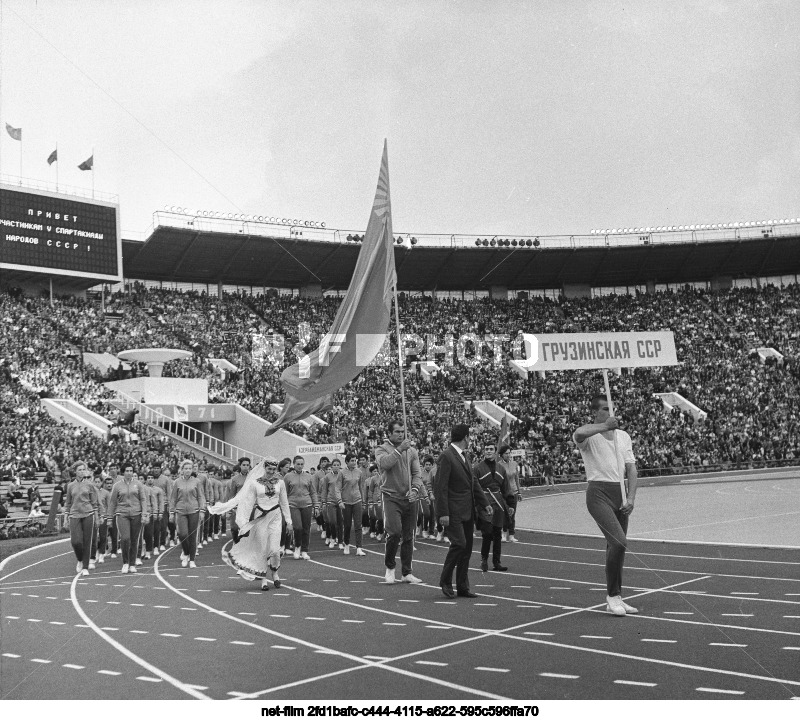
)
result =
(360, 326)
(15, 133)
(87, 164)
(52, 157)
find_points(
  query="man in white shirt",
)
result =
(606, 451)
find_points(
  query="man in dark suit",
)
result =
(457, 494)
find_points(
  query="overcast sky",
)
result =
(514, 118)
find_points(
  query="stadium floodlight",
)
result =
(514, 242)
(477, 242)
(485, 243)
(536, 243)
(493, 242)
(414, 241)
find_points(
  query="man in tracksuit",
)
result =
(401, 486)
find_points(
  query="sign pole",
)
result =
(616, 452)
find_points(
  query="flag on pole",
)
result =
(15, 133)
(360, 327)
(87, 164)
(52, 157)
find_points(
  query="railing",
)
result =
(183, 431)
(719, 232)
(18, 183)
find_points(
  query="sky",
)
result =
(508, 118)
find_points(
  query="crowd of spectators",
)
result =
(753, 408)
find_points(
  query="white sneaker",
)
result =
(360, 552)
(216, 536)
(265, 585)
(225, 534)
(155, 551)
(425, 534)
(184, 562)
(113, 555)
(78, 567)
(184, 557)
(138, 561)
(332, 543)
(246, 576)
(628, 609)
(84, 572)
(322, 535)
(305, 556)
(101, 558)
(614, 605)
(125, 568)
(172, 543)
(411, 578)
(389, 576)
(162, 547)
(91, 566)
(132, 569)
(346, 549)
(439, 537)
(505, 537)
(341, 546)
(146, 555)
(513, 539)
(372, 535)
(296, 553)
(192, 564)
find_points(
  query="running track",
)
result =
(715, 622)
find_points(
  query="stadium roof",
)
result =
(185, 255)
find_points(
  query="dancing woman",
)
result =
(259, 506)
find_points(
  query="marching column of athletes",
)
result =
(270, 508)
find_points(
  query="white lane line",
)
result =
(560, 588)
(521, 606)
(446, 603)
(203, 638)
(680, 613)
(160, 606)
(113, 603)
(279, 615)
(349, 620)
(528, 587)
(440, 628)
(744, 593)
(198, 688)
(188, 609)
(559, 675)
(431, 663)
(791, 616)
(729, 645)
(11, 655)
(392, 623)
(57, 623)
(791, 648)
(602, 638)
(171, 635)
(35, 620)
(484, 604)
(32, 595)
(109, 628)
(156, 680)
(72, 665)
(284, 648)
(494, 670)
(635, 683)
(314, 618)
(738, 615)
(720, 690)
(138, 604)
(407, 600)
(122, 649)
(140, 632)
(242, 643)
(377, 658)
(247, 613)
(657, 640)
(229, 592)
(537, 633)
(15, 618)
(373, 599)
(40, 660)
(110, 673)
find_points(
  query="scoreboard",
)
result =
(44, 232)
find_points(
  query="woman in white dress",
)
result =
(261, 505)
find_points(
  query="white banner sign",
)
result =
(330, 448)
(582, 351)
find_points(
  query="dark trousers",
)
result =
(334, 522)
(301, 522)
(102, 537)
(603, 501)
(375, 518)
(113, 534)
(459, 533)
(491, 537)
(350, 515)
(147, 533)
(129, 529)
(81, 531)
(187, 532)
(509, 523)
(399, 520)
(171, 528)
(161, 533)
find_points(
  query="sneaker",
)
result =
(322, 535)
(101, 558)
(411, 578)
(305, 556)
(505, 537)
(78, 567)
(84, 572)
(138, 561)
(513, 539)
(360, 552)
(296, 554)
(372, 535)
(341, 546)
(425, 534)
(439, 537)
(125, 568)
(265, 585)
(628, 609)
(346, 549)
(113, 555)
(225, 534)
(155, 551)
(184, 557)
(246, 576)
(162, 547)
(132, 569)
(389, 576)
(172, 543)
(91, 566)
(216, 536)
(192, 564)
(184, 562)
(614, 605)
(484, 564)
(146, 555)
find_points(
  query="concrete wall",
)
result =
(176, 391)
